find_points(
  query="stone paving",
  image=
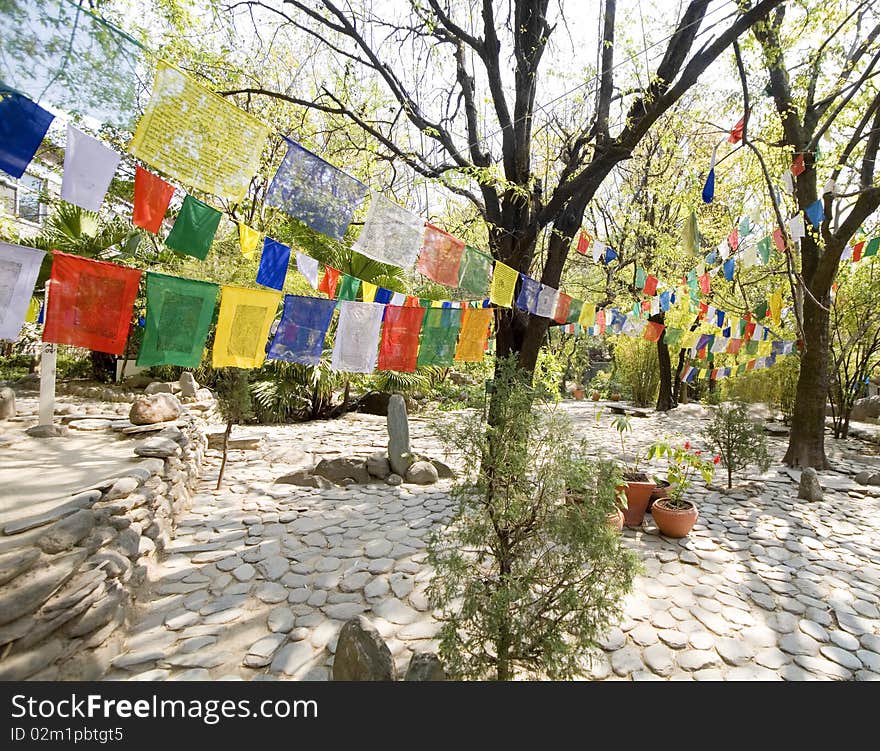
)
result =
(261, 576)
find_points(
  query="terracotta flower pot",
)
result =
(615, 520)
(579, 394)
(637, 496)
(674, 522)
(615, 397)
(661, 490)
(596, 396)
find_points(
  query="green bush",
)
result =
(636, 366)
(736, 439)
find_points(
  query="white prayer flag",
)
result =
(598, 250)
(758, 333)
(398, 298)
(308, 267)
(796, 227)
(391, 234)
(547, 299)
(356, 347)
(89, 166)
(19, 268)
(719, 345)
(723, 250)
(847, 253)
(787, 182)
(655, 305)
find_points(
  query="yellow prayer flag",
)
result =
(249, 239)
(243, 326)
(775, 303)
(588, 315)
(689, 339)
(764, 349)
(33, 310)
(503, 283)
(369, 291)
(199, 137)
(436, 303)
(474, 335)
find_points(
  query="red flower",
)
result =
(687, 445)
(698, 452)
(716, 460)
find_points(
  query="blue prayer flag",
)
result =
(610, 255)
(300, 334)
(719, 318)
(528, 294)
(383, 296)
(664, 300)
(273, 264)
(815, 213)
(709, 187)
(729, 266)
(23, 124)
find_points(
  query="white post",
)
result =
(47, 373)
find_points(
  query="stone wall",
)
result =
(68, 577)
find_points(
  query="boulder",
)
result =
(362, 654)
(157, 387)
(425, 666)
(67, 532)
(393, 479)
(378, 466)
(343, 468)
(304, 479)
(809, 488)
(866, 408)
(47, 431)
(422, 473)
(399, 452)
(862, 477)
(157, 446)
(7, 403)
(874, 479)
(444, 472)
(188, 386)
(154, 408)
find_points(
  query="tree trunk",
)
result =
(666, 398)
(225, 451)
(806, 446)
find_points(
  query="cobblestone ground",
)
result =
(261, 576)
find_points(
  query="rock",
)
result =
(343, 468)
(444, 472)
(157, 387)
(862, 477)
(425, 666)
(393, 479)
(422, 473)
(99, 614)
(31, 589)
(399, 454)
(154, 408)
(362, 654)
(19, 666)
(378, 466)
(659, 658)
(869, 407)
(809, 488)
(156, 446)
(17, 562)
(291, 657)
(305, 479)
(271, 593)
(281, 620)
(47, 431)
(7, 403)
(67, 532)
(260, 653)
(188, 386)
(874, 479)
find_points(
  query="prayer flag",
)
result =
(194, 229)
(249, 240)
(200, 138)
(399, 348)
(610, 255)
(383, 296)
(673, 338)
(356, 346)
(90, 303)
(547, 299)
(764, 249)
(329, 281)
(574, 309)
(815, 213)
(308, 267)
(664, 300)
(583, 243)
(588, 316)
(857, 251)
(89, 167)
(301, 332)
(733, 239)
(474, 271)
(391, 234)
(691, 234)
(796, 227)
(744, 227)
(243, 324)
(872, 247)
(273, 264)
(797, 166)
(439, 336)
(440, 257)
(598, 250)
(737, 133)
(348, 288)
(775, 304)
(19, 268)
(653, 331)
(474, 336)
(779, 239)
(151, 198)
(529, 291)
(705, 284)
(179, 315)
(729, 266)
(563, 306)
(650, 287)
(599, 318)
(23, 125)
(641, 277)
(368, 291)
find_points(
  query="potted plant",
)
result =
(594, 485)
(595, 396)
(579, 392)
(637, 485)
(674, 514)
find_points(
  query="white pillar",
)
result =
(47, 373)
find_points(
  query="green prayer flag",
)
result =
(673, 338)
(641, 278)
(179, 314)
(745, 226)
(740, 369)
(194, 230)
(440, 329)
(426, 302)
(761, 309)
(574, 310)
(691, 234)
(872, 247)
(348, 287)
(473, 272)
(751, 347)
(764, 249)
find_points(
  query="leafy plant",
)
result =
(682, 463)
(736, 439)
(637, 367)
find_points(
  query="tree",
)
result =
(234, 402)
(844, 62)
(736, 439)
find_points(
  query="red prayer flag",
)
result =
(646, 306)
(583, 243)
(600, 320)
(412, 302)
(563, 303)
(705, 283)
(779, 240)
(653, 331)
(399, 349)
(714, 374)
(151, 198)
(734, 346)
(733, 239)
(704, 308)
(857, 251)
(650, 285)
(701, 353)
(750, 329)
(797, 166)
(750, 365)
(329, 281)
(440, 257)
(737, 133)
(90, 303)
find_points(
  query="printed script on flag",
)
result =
(198, 137)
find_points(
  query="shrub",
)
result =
(635, 365)
(736, 439)
(525, 581)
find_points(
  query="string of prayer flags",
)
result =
(249, 240)
(329, 281)
(583, 244)
(368, 291)
(243, 324)
(439, 336)
(19, 268)
(273, 264)
(315, 192)
(89, 167)
(391, 234)
(503, 284)
(179, 316)
(308, 267)
(474, 336)
(474, 271)
(23, 125)
(737, 133)
(199, 137)
(301, 332)
(194, 229)
(815, 213)
(348, 288)
(529, 291)
(563, 306)
(440, 257)
(90, 303)
(151, 198)
(729, 265)
(547, 299)
(399, 347)
(356, 346)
